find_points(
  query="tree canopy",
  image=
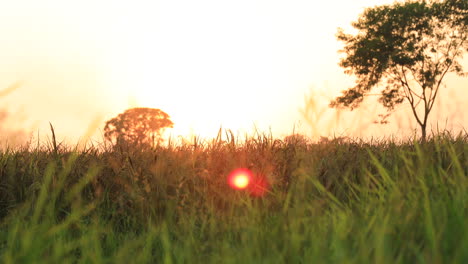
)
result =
(405, 49)
(137, 126)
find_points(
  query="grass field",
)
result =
(330, 202)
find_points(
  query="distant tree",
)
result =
(408, 48)
(137, 126)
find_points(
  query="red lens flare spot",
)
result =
(259, 186)
(240, 178)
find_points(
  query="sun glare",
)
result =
(195, 60)
(240, 179)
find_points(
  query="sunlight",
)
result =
(199, 66)
(244, 66)
(240, 179)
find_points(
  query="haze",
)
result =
(242, 65)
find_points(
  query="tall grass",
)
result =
(331, 202)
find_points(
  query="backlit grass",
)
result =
(331, 202)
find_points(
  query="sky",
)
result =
(243, 65)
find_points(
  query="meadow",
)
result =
(335, 201)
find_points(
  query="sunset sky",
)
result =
(236, 64)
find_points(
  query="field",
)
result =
(337, 201)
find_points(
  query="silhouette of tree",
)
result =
(407, 47)
(137, 127)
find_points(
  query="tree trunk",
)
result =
(423, 132)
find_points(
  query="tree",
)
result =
(405, 50)
(137, 126)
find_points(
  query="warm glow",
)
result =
(240, 179)
(242, 65)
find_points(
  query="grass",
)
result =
(330, 202)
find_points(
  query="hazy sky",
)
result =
(205, 63)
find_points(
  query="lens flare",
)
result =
(241, 181)
(259, 186)
(240, 178)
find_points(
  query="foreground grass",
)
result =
(333, 202)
